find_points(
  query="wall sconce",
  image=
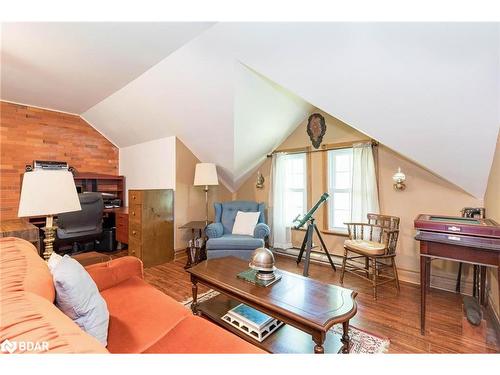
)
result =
(399, 180)
(260, 181)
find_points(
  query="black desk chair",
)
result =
(81, 227)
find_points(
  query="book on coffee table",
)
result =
(252, 322)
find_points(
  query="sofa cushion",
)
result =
(22, 269)
(109, 274)
(139, 315)
(235, 242)
(199, 336)
(78, 297)
(28, 317)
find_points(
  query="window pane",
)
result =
(340, 217)
(343, 180)
(342, 201)
(343, 163)
(294, 205)
(295, 171)
(295, 186)
(340, 187)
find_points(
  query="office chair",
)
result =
(82, 226)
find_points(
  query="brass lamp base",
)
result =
(206, 204)
(50, 231)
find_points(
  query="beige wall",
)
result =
(492, 205)
(425, 193)
(189, 199)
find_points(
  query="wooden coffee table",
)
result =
(308, 308)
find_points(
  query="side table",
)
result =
(21, 228)
(195, 254)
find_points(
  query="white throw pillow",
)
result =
(53, 261)
(78, 297)
(245, 222)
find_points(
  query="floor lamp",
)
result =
(205, 175)
(48, 193)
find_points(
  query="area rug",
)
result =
(361, 342)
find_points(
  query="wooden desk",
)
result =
(482, 249)
(91, 257)
(121, 222)
(21, 228)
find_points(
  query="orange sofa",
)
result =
(142, 319)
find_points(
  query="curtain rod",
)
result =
(338, 147)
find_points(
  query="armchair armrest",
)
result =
(261, 231)
(109, 274)
(214, 230)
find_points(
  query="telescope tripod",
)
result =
(307, 246)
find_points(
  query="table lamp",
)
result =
(48, 193)
(205, 174)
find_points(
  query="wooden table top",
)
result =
(15, 225)
(311, 302)
(117, 210)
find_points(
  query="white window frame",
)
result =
(332, 191)
(303, 156)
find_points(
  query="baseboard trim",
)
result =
(438, 281)
(180, 254)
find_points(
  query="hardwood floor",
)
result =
(394, 316)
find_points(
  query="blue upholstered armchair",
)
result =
(221, 242)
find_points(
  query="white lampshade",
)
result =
(205, 174)
(48, 193)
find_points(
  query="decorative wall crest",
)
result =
(316, 129)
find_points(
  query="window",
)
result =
(295, 186)
(339, 188)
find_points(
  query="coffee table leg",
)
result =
(194, 304)
(319, 340)
(345, 337)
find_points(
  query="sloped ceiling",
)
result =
(224, 112)
(429, 91)
(73, 66)
(265, 114)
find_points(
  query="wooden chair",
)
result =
(375, 243)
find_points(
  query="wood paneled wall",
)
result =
(29, 133)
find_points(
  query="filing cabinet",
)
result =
(151, 225)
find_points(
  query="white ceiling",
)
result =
(73, 66)
(265, 114)
(429, 91)
(222, 111)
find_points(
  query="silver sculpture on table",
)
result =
(263, 263)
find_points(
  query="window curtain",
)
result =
(281, 234)
(364, 183)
